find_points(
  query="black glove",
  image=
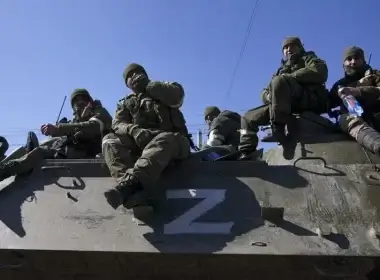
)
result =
(139, 82)
(142, 136)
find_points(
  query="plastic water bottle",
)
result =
(352, 105)
(350, 102)
(212, 156)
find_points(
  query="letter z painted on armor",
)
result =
(185, 224)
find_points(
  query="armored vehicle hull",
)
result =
(305, 219)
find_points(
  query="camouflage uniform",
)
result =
(224, 127)
(364, 129)
(149, 132)
(4, 146)
(81, 138)
(297, 86)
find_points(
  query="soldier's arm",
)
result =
(314, 72)
(99, 123)
(122, 121)
(370, 92)
(169, 93)
(334, 98)
(220, 129)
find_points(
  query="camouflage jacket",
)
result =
(89, 131)
(157, 110)
(227, 124)
(371, 88)
(308, 70)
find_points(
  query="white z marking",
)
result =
(184, 224)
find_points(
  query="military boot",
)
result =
(369, 138)
(31, 142)
(129, 192)
(8, 169)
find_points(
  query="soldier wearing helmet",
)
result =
(149, 132)
(80, 138)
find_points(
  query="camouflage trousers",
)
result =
(287, 97)
(361, 131)
(35, 158)
(123, 157)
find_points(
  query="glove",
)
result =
(139, 83)
(142, 136)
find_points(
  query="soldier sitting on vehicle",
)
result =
(362, 82)
(224, 127)
(149, 131)
(81, 138)
(297, 86)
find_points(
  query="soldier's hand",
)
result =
(87, 111)
(349, 91)
(139, 82)
(267, 98)
(366, 81)
(48, 129)
(142, 136)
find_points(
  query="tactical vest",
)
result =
(154, 115)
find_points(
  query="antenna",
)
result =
(369, 59)
(60, 111)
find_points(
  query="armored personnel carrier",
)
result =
(316, 216)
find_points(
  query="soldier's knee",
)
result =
(108, 141)
(278, 80)
(282, 81)
(167, 137)
(351, 125)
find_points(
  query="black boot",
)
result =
(4, 146)
(370, 139)
(7, 169)
(31, 142)
(130, 193)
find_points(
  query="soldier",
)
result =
(81, 138)
(148, 126)
(361, 81)
(4, 146)
(224, 127)
(297, 86)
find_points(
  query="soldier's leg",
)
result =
(132, 190)
(156, 156)
(117, 153)
(364, 134)
(119, 157)
(26, 163)
(250, 123)
(284, 90)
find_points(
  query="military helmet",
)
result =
(78, 92)
(132, 67)
(211, 110)
(353, 51)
